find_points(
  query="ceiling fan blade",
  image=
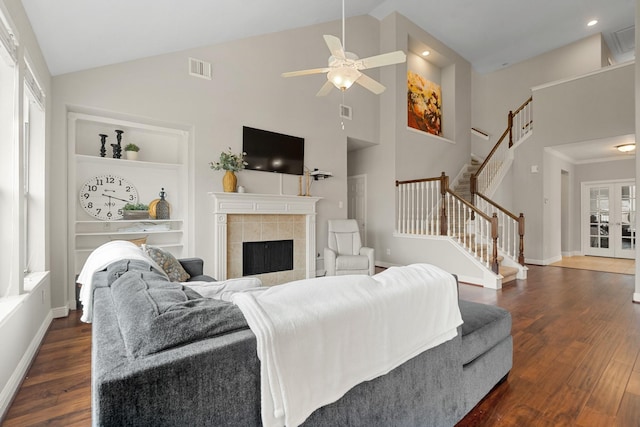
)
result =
(335, 46)
(305, 72)
(325, 89)
(390, 58)
(368, 83)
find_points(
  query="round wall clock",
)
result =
(104, 196)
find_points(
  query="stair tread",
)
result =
(508, 273)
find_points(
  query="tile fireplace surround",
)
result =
(242, 217)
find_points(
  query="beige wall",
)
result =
(406, 154)
(564, 113)
(494, 94)
(246, 89)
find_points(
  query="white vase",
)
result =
(132, 155)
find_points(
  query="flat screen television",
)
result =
(273, 152)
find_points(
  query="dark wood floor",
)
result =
(576, 358)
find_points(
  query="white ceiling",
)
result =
(81, 34)
(594, 151)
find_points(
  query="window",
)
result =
(33, 173)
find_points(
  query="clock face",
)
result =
(104, 196)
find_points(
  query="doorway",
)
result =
(608, 219)
(357, 203)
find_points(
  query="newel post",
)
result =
(494, 238)
(521, 232)
(444, 185)
(510, 125)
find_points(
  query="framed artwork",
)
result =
(424, 104)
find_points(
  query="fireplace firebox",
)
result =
(266, 256)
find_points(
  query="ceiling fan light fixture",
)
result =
(343, 77)
(626, 148)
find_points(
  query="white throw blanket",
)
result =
(318, 338)
(98, 260)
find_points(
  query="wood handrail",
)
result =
(517, 218)
(469, 205)
(497, 206)
(493, 150)
(413, 181)
(523, 106)
(493, 220)
(504, 135)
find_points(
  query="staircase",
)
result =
(481, 228)
(463, 187)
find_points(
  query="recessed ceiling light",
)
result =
(592, 23)
(426, 53)
(625, 148)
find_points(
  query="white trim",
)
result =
(592, 73)
(437, 137)
(572, 253)
(636, 297)
(58, 312)
(9, 37)
(568, 159)
(33, 84)
(480, 134)
(13, 384)
(543, 261)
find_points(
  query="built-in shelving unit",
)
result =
(162, 163)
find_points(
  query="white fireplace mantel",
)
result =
(271, 204)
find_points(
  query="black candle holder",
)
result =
(103, 140)
(117, 148)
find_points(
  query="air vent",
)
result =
(345, 112)
(199, 68)
(625, 39)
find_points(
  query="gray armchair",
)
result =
(345, 254)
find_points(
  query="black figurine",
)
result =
(103, 140)
(117, 148)
(117, 151)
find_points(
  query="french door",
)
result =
(609, 219)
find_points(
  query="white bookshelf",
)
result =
(163, 163)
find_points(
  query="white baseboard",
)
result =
(543, 261)
(572, 253)
(13, 384)
(58, 312)
(636, 297)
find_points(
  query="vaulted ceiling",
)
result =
(80, 34)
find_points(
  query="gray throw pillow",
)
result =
(168, 263)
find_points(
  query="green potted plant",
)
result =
(131, 151)
(231, 163)
(135, 211)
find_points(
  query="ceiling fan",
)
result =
(344, 67)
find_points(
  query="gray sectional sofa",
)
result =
(203, 369)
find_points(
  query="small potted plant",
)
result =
(231, 163)
(131, 151)
(135, 211)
